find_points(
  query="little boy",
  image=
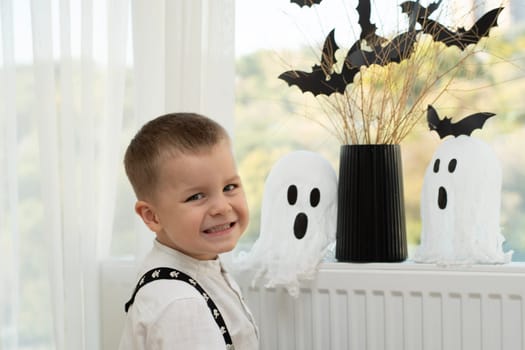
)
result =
(190, 195)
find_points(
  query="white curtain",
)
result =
(77, 78)
(184, 61)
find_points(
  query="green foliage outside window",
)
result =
(272, 119)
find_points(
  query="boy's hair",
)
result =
(163, 137)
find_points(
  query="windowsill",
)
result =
(409, 266)
(406, 266)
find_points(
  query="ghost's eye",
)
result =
(452, 165)
(315, 197)
(436, 166)
(292, 194)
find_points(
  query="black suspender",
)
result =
(172, 274)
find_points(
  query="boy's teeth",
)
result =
(218, 228)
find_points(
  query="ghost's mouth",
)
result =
(219, 228)
(300, 225)
(442, 198)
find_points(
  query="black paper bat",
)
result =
(462, 38)
(321, 79)
(398, 49)
(465, 126)
(417, 12)
(308, 3)
(340, 80)
(368, 29)
(409, 7)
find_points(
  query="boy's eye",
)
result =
(195, 197)
(230, 187)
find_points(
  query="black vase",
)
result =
(371, 208)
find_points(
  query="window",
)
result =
(273, 118)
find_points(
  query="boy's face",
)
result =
(199, 208)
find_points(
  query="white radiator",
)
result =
(395, 307)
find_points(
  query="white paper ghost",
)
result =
(298, 221)
(460, 205)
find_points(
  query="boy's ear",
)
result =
(148, 215)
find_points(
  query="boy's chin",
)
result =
(227, 248)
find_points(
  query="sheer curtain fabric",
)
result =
(77, 78)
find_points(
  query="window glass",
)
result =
(273, 118)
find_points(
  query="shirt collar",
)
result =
(185, 262)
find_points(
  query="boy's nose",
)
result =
(220, 205)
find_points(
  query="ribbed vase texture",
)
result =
(371, 208)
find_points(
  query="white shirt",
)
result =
(171, 314)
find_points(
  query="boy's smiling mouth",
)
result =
(220, 228)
